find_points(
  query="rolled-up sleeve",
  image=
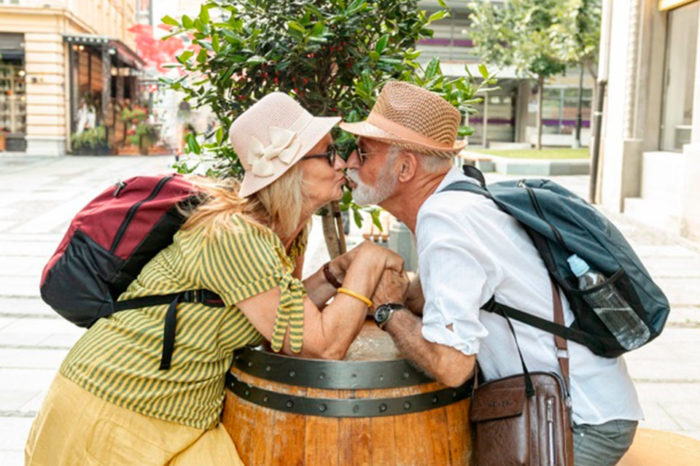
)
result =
(458, 276)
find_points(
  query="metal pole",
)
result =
(579, 109)
(485, 120)
(597, 124)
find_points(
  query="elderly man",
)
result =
(469, 251)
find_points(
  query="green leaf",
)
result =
(202, 56)
(433, 68)
(219, 135)
(204, 14)
(438, 15)
(215, 42)
(375, 218)
(382, 43)
(170, 20)
(187, 22)
(297, 26)
(357, 216)
(255, 60)
(318, 29)
(374, 55)
(483, 71)
(192, 144)
(184, 56)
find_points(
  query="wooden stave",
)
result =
(318, 439)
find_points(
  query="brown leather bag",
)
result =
(525, 419)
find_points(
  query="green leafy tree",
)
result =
(520, 33)
(577, 34)
(331, 55)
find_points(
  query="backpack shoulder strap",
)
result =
(206, 297)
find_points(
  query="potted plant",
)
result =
(139, 131)
(91, 141)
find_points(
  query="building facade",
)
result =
(63, 64)
(650, 140)
(508, 114)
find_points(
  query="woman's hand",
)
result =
(367, 250)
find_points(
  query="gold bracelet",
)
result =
(355, 295)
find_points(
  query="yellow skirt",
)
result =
(75, 427)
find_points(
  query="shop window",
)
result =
(679, 77)
(13, 107)
(560, 110)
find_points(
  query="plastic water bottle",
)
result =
(629, 330)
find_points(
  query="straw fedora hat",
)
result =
(413, 118)
(271, 136)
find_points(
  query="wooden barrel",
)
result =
(373, 408)
(658, 448)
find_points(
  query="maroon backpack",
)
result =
(108, 243)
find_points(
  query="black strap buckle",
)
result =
(192, 296)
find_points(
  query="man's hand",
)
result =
(414, 295)
(392, 288)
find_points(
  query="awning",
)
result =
(669, 4)
(116, 47)
(11, 46)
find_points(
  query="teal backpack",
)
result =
(561, 224)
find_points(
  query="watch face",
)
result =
(381, 314)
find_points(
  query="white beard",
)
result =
(365, 194)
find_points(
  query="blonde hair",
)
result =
(277, 206)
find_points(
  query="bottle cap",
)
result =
(577, 265)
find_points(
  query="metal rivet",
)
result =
(250, 363)
(356, 409)
(266, 399)
(354, 376)
(292, 373)
(268, 368)
(321, 376)
(382, 407)
(407, 405)
(435, 400)
(246, 393)
(381, 377)
(454, 394)
(322, 407)
(406, 375)
(290, 403)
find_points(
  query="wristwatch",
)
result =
(384, 312)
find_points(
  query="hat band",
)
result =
(401, 131)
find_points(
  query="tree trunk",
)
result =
(540, 93)
(333, 230)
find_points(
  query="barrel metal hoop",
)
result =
(347, 407)
(316, 373)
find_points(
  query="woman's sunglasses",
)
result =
(330, 155)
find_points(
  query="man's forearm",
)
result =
(441, 362)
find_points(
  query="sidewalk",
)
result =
(42, 194)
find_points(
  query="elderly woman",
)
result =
(110, 403)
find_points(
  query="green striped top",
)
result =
(117, 359)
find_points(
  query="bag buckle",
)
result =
(562, 353)
(193, 296)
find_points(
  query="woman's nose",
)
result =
(339, 163)
(353, 160)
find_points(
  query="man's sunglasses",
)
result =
(330, 155)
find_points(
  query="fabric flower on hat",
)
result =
(284, 144)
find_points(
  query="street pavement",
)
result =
(42, 194)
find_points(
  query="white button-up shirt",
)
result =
(469, 250)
